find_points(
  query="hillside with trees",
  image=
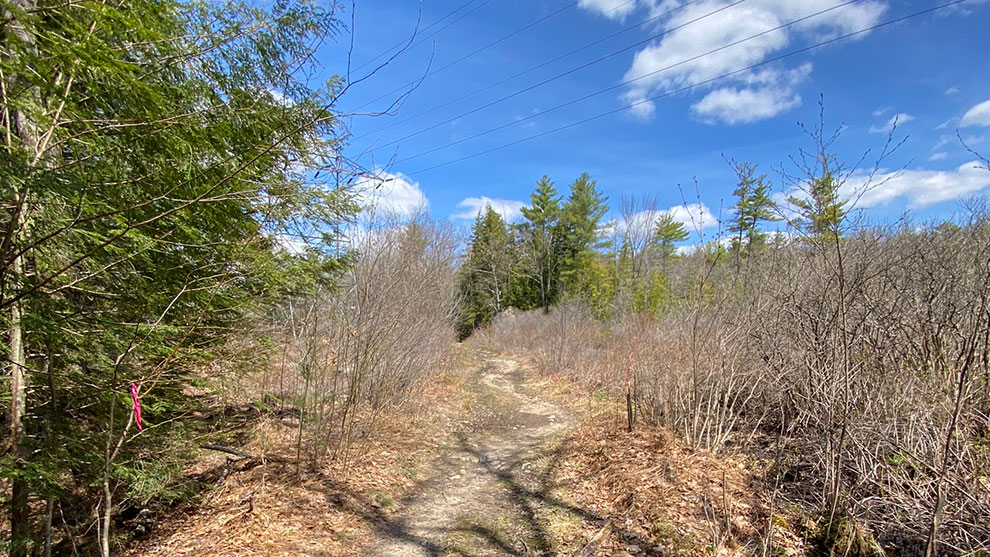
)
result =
(215, 345)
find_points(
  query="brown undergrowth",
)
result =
(266, 506)
(659, 496)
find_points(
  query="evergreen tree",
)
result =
(579, 234)
(596, 284)
(652, 291)
(539, 237)
(668, 233)
(753, 206)
(155, 158)
(487, 272)
(823, 210)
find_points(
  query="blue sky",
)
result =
(930, 72)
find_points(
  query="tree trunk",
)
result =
(107, 514)
(19, 125)
(20, 515)
(49, 511)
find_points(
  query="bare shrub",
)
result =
(877, 394)
(566, 341)
(699, 393)
(366, 346)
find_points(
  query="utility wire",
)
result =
(473, 53)
(628, 82)
(564, 74)
(533, 68)
(693, 85)
(423, 30)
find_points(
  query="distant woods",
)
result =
(564, 248)
(534, 263)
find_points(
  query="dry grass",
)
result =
(263, 506)
(653, 487)
(660, 496)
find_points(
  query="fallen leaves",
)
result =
(268, 509)
(663, 497)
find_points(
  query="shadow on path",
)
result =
(493, 494)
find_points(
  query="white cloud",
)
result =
(917, 187)
(385, 192)
(921, 187)
(782, 201)
(941, 155)
(973, 140)
(664, 62)
(979, 115)
(290, 244)
(280, 97)
(612, 9)
(638, 224)
(694, 216)
(952, 90)
(881, 111)
(471, 206)
(943, 141)
(960, 9)
(643, 109)
(742, 106)
(945, 124)
(896, 119)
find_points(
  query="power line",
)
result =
(423, 30)
(475, 52)
(536, 67)
(692, 86)
(627, 82)
(564, 74)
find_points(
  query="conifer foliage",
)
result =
(540, 236)
(564, 248)
(486, 276)
(753, 206)
(156, 158)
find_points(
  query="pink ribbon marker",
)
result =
(137, 406)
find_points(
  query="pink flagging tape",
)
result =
(137, 406)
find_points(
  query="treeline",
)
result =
(850, 357)
(563, 249)
(534, 263)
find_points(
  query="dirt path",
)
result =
(492, 493)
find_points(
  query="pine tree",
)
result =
(753, 206)
(150, 175)
(596, 284)
(539, 236)
(823, 210)
(668, 233)
(580, 217)
(487, 272)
